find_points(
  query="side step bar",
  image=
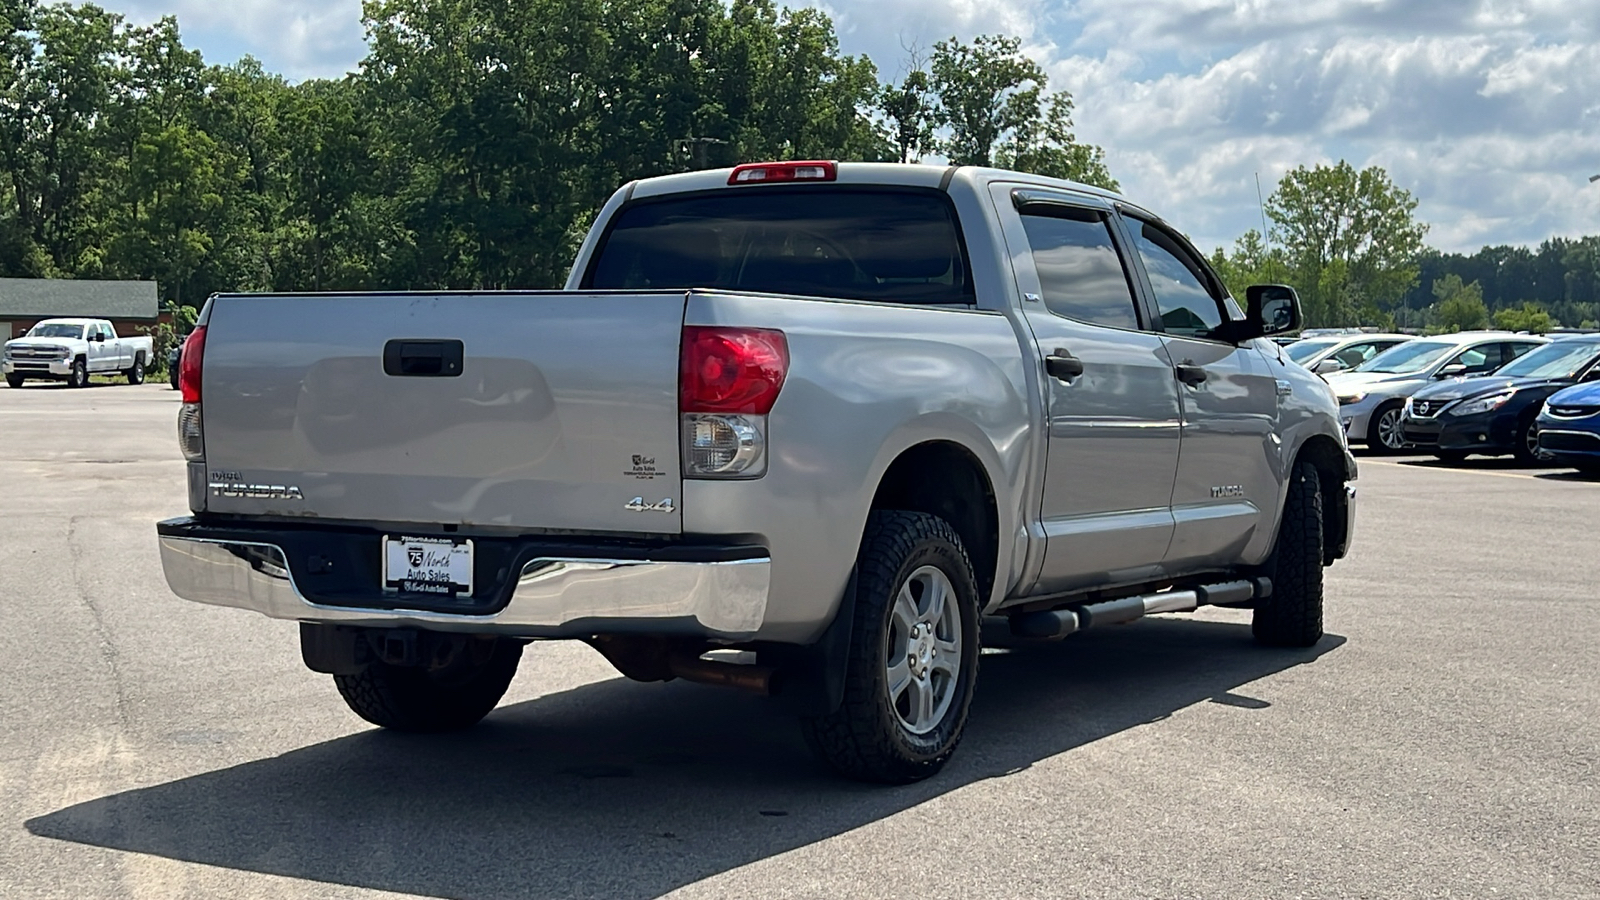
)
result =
(1055, 624)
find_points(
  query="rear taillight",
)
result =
(764, 173)
(728, 380)
(731, 370)
(191, 432)
(194, 351)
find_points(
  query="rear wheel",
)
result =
(136, 374)
(913, 655)
(1292, 615)
(80, 374)
(1386, 433)
(445, 697)
(16, 381)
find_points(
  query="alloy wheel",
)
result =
(923, 663)
(1390, 431)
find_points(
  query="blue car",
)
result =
(1569, 426)
(1497, 414)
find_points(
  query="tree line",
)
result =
(471, 149)
(1349, 242)
(478, 138)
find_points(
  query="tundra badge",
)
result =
(256, 491)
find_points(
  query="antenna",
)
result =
(1266, 241)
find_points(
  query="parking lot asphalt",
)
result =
(1442, 741)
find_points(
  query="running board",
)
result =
(1058, 623)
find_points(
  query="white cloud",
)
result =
(298, 38)
(1487, 110)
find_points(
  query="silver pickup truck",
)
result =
(791, 427)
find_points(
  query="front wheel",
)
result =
(80, 374)
(16, 381)
(1526, 447)
(1386, 433)
(1292, 615)
(136, 374)
(446, 697)
(913, 656)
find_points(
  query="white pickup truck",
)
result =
(71, 350)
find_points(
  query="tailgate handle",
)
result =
(423, 359)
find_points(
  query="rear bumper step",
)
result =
(552, 596)
(1058, 623)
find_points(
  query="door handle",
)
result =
(426, 359)
(1190, 374)
(1063, 365)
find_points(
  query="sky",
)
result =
(1488, 111)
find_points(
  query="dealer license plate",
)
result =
(427, 566)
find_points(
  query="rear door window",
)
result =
(883, 244)
(1478, 359)
(1080, 274)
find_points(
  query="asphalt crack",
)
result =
(108, 650)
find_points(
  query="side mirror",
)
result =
(99, 337)
(1271, 309)
(1451, 371)
(1329, 366)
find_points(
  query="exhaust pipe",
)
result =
(723, 674)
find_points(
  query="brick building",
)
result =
(131, 306)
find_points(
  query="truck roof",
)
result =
(70, 320)
(900, 174)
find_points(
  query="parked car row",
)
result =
(1485, 393)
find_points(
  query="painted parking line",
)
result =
(1360, 462)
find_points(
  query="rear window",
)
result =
(898, 246)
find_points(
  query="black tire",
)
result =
(172, 376)
(1292, 616)
(416, 698)
(16, 381)
(867, 738)
(1451, 457)
(1377, 427)
(80, 374)
(136, 374)
(1525, 446)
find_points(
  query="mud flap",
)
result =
(811, 678)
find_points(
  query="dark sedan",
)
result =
(1497, 414)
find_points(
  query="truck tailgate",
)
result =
(563, 411)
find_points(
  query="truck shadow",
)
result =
(624, 790)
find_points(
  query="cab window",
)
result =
(1080, 274)
(1187, 303)
(1478, 360)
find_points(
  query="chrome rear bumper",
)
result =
(553, 597)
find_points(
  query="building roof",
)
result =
(29, 298)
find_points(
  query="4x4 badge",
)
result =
(637, 504)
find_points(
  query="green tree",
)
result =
(1350, 238)
(1047, 146)
(1459, 307)
(911, 112)
(1529, 317)
(987, 90)
(993, 103)
(1252, 262)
